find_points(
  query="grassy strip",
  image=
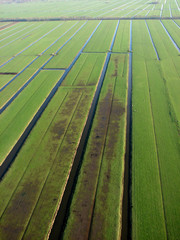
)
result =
(122, 39)
(17, 64)
(100, 178)
(4, 79)
(164, 47)
(168, 147)
(101, 40)
(85, 71)
(170, 68)
(15, 120)
(147, 203)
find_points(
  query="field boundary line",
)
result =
(176, 23)
(157, 55)
(126, 199)
(172, 40)
(170, 11)
(86, 18)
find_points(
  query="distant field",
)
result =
(90, 121)
(94, 9)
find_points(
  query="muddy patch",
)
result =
(116, 61)
(8, 73)
(15, 217)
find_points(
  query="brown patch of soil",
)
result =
(14, 219)
(8, 73)
(115, 74)
(6, 26)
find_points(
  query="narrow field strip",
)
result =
(4, 79)
(101, 42)
(147, 205)
(175, 44)
(121, 43)
(126, 230)
(152, 41)
(167, 138)
(157, 151)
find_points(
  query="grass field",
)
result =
(89, 120)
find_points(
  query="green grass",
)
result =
(80, 8)
(173, 30)
(85, 72)
(71, 49)
(15, 85)
(16, 117)
(4, 79)
(121, 43)
(102, 38)
(44, 27)
(147, 205)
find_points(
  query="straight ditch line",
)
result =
(54, 69)
(152, 42)
(126, 206)
(172, 40)
(176, 23)
(89, 18)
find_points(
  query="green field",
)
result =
(89, 120)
